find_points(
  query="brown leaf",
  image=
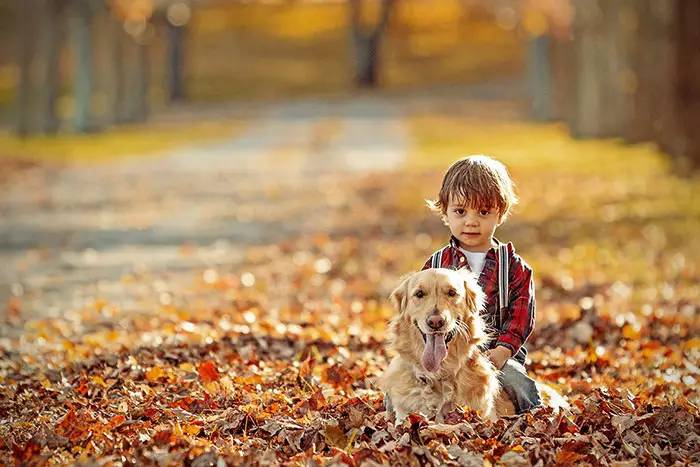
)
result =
(565, 457)
(338, 376)
(27, 452)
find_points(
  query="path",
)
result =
(69, 235)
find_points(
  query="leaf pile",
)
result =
(273, 359)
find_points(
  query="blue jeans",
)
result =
(521, 389)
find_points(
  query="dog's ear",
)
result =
(475, 296)
(475, 301)
(399, 296)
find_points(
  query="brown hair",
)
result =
(479, 181)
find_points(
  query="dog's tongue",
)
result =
(435, 351)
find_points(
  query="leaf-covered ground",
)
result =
(274, 360)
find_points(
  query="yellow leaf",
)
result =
(631, 332)
(186, 366)
(691, 344)
(177, 431)
(212, 387)
(191, 429)
(99, 381)
(154, 374)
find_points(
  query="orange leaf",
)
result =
(191, 429)
(208, 371)
(82, 387)
(115, 422)
(27, 452)
(154, 374)
(306, 367)
(567, 457)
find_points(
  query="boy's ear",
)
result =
(399, 296)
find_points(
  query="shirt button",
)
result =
(461, 260)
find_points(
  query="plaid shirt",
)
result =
(520, 316)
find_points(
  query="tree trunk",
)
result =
(143, 82)
(117, 79)
(25, 54)
(367, 44)
(589, 63)
(81, 27)
(660, 66)
(563, 78)
(540, 73)
(50, 52)
(176, 49)
(137, 65)
(622, 38)
(688, 88)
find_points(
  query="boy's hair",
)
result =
(479, 181)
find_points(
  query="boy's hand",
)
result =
(499, 356)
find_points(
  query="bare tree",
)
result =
(82, 31)
(687, 91)
(52, 32)
(177, 15)
(367, 42)
(26, 31)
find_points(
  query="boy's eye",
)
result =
(485, 212)
(419, 294)
(459, 211)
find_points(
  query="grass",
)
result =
(115, 144)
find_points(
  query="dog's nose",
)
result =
(435, 322)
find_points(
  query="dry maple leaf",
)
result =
(208, 372)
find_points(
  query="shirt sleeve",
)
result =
(428, 263)
(520, 319)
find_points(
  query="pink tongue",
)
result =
(435, 351)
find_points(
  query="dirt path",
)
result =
(68, 235)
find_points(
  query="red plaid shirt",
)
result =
(520, 316)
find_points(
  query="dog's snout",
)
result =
(435, 321)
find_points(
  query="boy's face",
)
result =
(472, 226)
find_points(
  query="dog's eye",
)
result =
(452, 293)
(419, 294)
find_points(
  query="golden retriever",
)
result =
(436, 336)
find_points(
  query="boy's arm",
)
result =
(521, 310)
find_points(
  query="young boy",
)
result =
(475, 198)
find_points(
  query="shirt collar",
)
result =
(454, 243)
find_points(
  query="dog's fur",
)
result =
(466, 377)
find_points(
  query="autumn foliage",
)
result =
(272, 359)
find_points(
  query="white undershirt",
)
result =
(476, 260)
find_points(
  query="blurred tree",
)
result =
(177, 16)
(52, 32)
(117, 75)
(135, 15)
(687, 84)
(367, 42)
(81, 14)
(589, 46)
(26, 32)
(635, 73)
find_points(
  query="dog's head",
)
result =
(443, 305)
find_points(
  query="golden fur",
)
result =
(466, 377)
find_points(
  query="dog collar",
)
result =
(448, 337)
